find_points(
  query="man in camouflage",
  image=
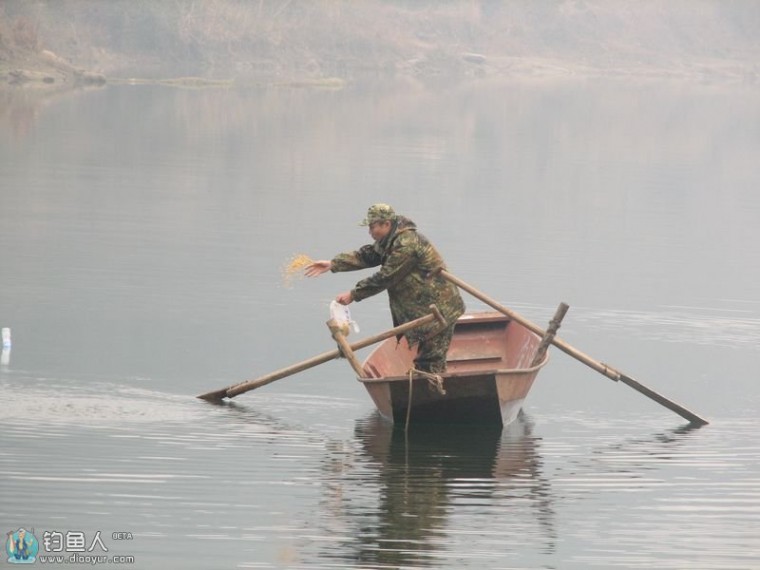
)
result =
(409, 271)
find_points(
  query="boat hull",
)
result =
(487, 381)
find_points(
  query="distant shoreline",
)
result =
(46, 70)
(309, 45)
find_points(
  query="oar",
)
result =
(236, 389)
(600, 367)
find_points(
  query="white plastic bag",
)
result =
(341, 315)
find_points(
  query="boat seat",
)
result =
(475, 358)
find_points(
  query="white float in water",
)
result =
(5, 355)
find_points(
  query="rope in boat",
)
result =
(435, 381)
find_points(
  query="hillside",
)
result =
(715, 39)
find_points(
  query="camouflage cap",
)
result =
(378, 213)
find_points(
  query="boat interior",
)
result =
(482, 342)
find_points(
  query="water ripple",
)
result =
(375, 497)
(727, 326)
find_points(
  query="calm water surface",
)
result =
(143, 232)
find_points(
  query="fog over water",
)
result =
(143, 234)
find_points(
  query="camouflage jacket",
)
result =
(409, 274)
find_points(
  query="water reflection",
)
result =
(20, 109)
(617, 464)
(636, 455)
(421, 479)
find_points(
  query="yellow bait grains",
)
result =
(294, 268)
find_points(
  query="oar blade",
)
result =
(215, 396)
(693, 418)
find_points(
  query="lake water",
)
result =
(143, 233)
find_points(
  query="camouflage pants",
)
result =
(431, 352)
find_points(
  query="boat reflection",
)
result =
(422, 478)
(391, 499)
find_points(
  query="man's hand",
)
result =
(344, 298)
(317, 268)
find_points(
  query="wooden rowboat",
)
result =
(491, 367)
(489, 373)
